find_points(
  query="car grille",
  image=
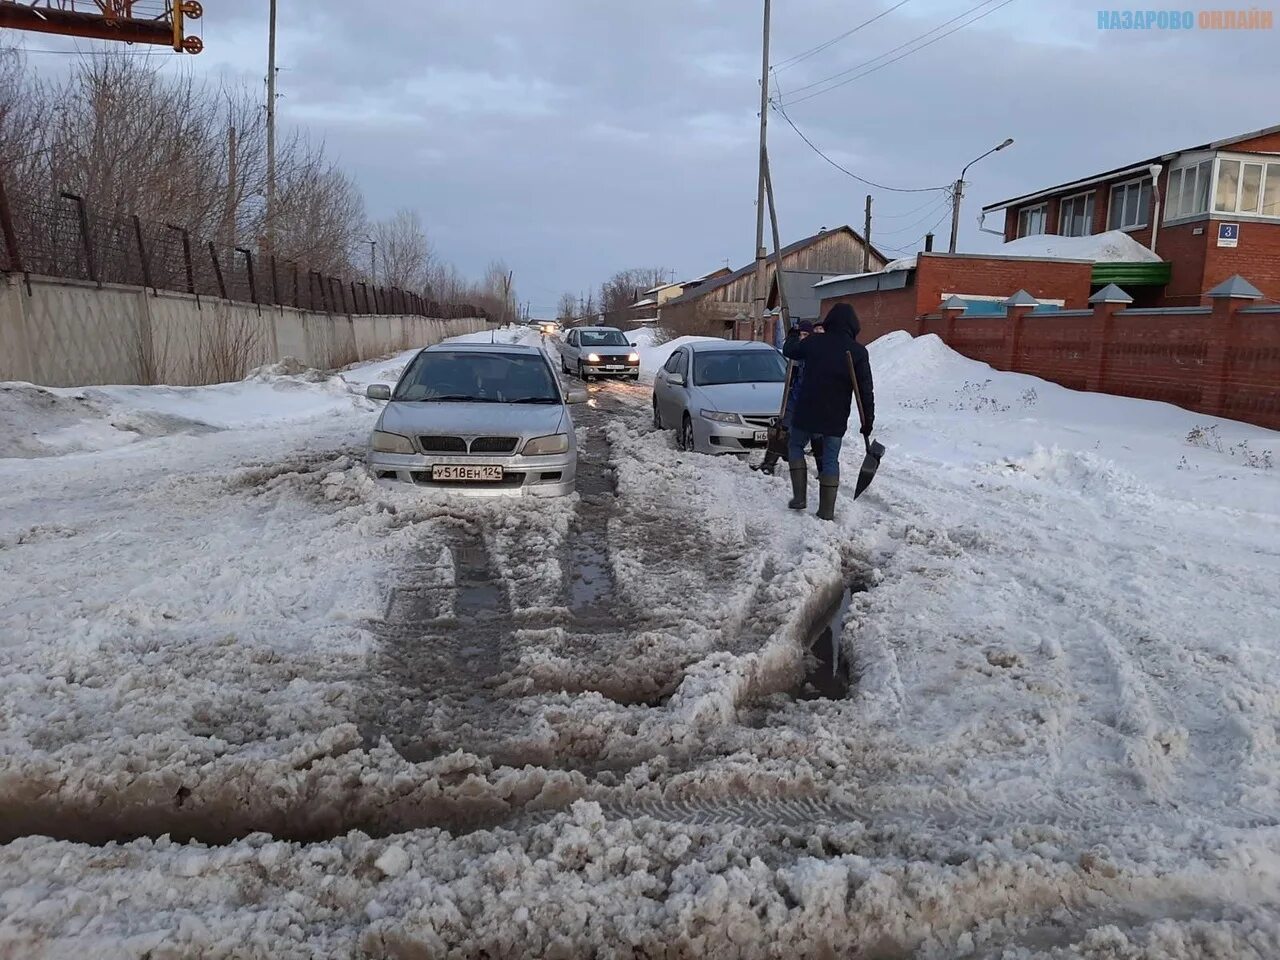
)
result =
(761, 421)
(443, 444)
(494, 444)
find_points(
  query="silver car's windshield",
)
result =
(467, 377)
(603, 338)
(738, 366)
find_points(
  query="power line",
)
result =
(920, 238)
(864, 73)
(909, 213)
(944, 204)
(812, 51)
(849, 173)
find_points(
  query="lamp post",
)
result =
(373, 259)
(957, 192)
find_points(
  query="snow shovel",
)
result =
(875, 450)
(779, 439)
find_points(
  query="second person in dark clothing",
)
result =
(834, 365)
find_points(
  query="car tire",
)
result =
(657, 416)
(582, 374)
(685, 439)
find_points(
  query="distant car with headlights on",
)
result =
(479, 418)
(720, 395)
(599, 352)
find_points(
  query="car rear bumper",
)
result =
(551, 476)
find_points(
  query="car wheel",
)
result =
(657, 415)
(686, 434)
(582, 374)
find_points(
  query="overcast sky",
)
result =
(573, 138)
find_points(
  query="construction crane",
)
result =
(161, 22)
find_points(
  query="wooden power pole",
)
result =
(866, 239)
(271, 132)
(761, 294)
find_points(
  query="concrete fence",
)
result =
(59, 332)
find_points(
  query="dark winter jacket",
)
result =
(826, 392)
(793, 395)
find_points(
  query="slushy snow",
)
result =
(1060, 739)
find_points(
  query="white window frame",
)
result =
(1145, 214)
(1043, 208)
(1265, 160)
(1189, 163)
(1092, 209)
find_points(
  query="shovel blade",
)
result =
(870, 464)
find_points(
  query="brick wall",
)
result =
(1222, 360)
(939, 274)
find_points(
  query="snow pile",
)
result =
(1114, 246)
(653, 355)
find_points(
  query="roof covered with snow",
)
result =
(1114, 246)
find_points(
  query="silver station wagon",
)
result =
(483, 419)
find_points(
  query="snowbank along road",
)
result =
(1021, 700)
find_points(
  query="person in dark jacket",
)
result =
(803, 329)
(825, 400)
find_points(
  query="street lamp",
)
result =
(373, 259)
(957, 192)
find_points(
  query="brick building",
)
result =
(1210, 211)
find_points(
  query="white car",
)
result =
(720, 395)
(479, 418)
(599, 352)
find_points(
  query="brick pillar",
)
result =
(1017, 308)
(1107, 302)
(952, 308)
(1225, 299)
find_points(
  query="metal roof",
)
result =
(719, 282)
(1131, 168)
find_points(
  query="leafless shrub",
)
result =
(229, 345)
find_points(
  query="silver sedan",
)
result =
(720, 395)
(482, 419)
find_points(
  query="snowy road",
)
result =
(400, 724)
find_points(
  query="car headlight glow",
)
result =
(593, 358)
(391, 443)
(719, 417)
(634, 357)
(542, 446)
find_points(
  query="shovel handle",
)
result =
(857, 396)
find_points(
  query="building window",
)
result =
(1271, 192)
(1247, 187)
(1075, 216)
(1032, 220)
(1189, 191)
(1130, 205)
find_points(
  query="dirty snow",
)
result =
(1059, 741)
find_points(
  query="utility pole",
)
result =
(957, 192)
(757, 317)
(229, 214)
(866, 239)
(271, 132)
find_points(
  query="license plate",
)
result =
(447, 471)
(762, 436)
(615, 367)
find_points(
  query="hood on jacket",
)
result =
(842, 321)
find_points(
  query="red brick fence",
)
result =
(1222, 359)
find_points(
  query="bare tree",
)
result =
(623, 289)
(497, 294)
(405, 254)
(567, 309)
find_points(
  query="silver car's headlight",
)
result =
(391, 443)
(719, 417)
(542, 446)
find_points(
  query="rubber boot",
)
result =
(799, 486)
(770, 461)
(827, 489)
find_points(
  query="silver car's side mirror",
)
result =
(576, 396)
(378, 391)
(676, 378)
